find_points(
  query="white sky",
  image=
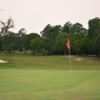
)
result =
(34, 15)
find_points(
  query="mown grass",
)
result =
(50, 62)
(49, 78)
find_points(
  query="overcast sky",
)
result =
(34, 15)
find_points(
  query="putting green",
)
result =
(25, 84)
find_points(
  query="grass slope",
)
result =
(49, 62)
(47, 78)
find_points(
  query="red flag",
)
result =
(68, 44)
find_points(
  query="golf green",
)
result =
(49, 78)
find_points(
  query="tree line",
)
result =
(52, 39)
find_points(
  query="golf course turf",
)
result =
(27, 77)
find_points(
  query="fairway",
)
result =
(49, 78)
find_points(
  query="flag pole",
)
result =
(70, 60)
(68, 47)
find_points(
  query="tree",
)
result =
(46, 31)
(49, 34)
(79, 46)
(55, 31)
(37, 45)
(5, 26)
(97, 45)
(94, 27)
(94, 35)
(11, 42)
(22, 39)
(30, 37)
(67, 27)
(78, 28)
(60, 43)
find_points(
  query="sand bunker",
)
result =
(78, 59)
(2, 61)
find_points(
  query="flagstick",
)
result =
(70, 59)
(68, 47)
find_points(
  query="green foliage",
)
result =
(49, 35)
(94, 27)
(47, 31)
(60, 43)
(37, 45)
(29, 37)
(52, 39)
(80, 44)
(67, 27)
(94, 35)
(97, 45)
